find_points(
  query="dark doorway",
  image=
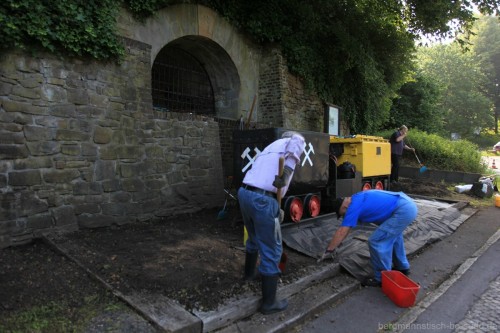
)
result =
(180, 83)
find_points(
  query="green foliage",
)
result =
(354, 53)
(485, 140)
(74, 28)
(438, 153)
(417, 106)
(463, 83)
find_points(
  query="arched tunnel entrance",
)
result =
(194, 74)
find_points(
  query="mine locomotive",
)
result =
(330, 167)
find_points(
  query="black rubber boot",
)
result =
(250, 263)
(269, 302)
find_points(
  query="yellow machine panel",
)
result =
(371, 155)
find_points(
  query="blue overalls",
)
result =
(393, 212)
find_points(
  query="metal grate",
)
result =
(181, 84)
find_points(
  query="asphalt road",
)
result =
(369, 310)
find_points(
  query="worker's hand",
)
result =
(282, 215)
(328, 254)
(282, 181)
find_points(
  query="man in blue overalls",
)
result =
(260, 212)
(393, 212)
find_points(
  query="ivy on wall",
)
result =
(84, 28)
(354, 53)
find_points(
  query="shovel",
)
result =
(284, 258)
(423, 168)
(223, 212)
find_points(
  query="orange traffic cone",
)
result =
(493, 166)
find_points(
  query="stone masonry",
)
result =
(80, 147)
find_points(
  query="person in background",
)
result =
(392, 212)
(397, 147)
(261, 213)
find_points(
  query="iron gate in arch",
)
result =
(180, 83)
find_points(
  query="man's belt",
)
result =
(259, 190)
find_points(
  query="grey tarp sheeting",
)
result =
(435, 220)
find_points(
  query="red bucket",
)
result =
(399, 288)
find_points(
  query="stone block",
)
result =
(69, 135)
(114, 209)
(63, 110)
(121, 196)
(105, 170)
(111, 185)
(87, 208)
(29, 205)
(3, 180)
(11, 138)
(28, 93)
(60, 176)
(10, 227)
(33, 163)
(93, 221)
(9, 152)
(102, 135)
(132, 185)
(53, 93)
(78, 96)
(38, 133)
(107, 153)
(22, 238)
(89, 149)
(5, 241)
(40, 221)
(64, 215)
(128, 170)
(129, 152)
(71, 149)
(150, 206)
(25, 178)
(43, 148)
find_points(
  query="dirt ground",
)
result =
(195, 259)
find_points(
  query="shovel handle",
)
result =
(418, 160)
(281, 165)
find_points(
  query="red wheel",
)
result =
(379, 185)
(312, 204)
(294, 209)
(367, 186)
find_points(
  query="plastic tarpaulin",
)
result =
(435, 220)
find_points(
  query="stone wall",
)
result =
(283, 99)
(80, 146)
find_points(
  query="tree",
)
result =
(486, 46)
(466, 107)
(418, 106)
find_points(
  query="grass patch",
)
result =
(58, 317)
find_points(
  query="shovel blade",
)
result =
(423, 169)
(221, 215)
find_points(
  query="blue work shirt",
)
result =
(372, 206)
